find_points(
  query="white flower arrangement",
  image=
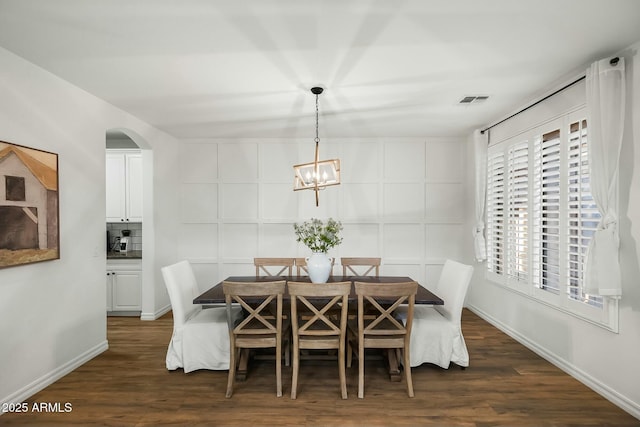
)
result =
(318, 236)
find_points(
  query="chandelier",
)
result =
(320, 173)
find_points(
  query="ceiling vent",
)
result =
(473, 99)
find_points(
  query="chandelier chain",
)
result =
(317, 137)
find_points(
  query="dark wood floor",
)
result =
(506, 385)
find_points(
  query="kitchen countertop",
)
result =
(124, 255)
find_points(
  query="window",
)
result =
(495, 212)
(582, 213)
(541, 216)
(15, 188)
(518, 200)
(546, 210)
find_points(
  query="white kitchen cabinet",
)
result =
(124, 185)
(124, 287)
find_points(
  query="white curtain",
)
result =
(480, 142)
(605, 121)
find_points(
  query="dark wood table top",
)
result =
(215, 295)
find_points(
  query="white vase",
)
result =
(319, 267)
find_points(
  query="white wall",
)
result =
(52, 314)
(604, 360)
(401, 199)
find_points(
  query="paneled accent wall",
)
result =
(401, 199)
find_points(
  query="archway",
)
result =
(122, 138)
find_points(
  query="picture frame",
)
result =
(29, 205)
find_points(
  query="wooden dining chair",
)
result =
(320, 324)
(301, 266)
(260, 328)
(274, 266)
(384, 330)
(360, 266)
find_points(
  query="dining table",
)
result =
(215, 295)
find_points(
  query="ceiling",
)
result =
(211, 68)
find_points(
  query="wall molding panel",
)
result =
(401, 199)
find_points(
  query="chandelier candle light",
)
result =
(320, 173)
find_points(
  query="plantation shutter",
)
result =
(542, 217)
(547, 212)
(518, 205)
(583, 215)
(495, 211)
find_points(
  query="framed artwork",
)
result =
(29, 226)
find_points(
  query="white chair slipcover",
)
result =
(200, 336)
(436, 336)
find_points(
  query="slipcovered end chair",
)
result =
(436, 336)
(200, 337)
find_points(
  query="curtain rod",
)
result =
(614, 61)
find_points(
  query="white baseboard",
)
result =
(53, 376)
(605, 391)
(158, 313)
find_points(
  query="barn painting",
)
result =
(29, 228)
